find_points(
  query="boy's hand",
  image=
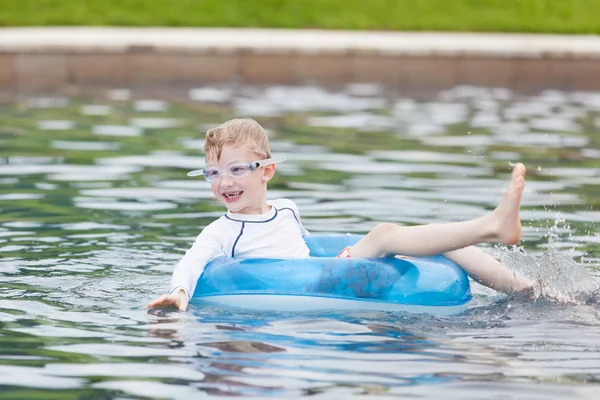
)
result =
(177, 300)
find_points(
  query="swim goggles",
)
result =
(236, 170)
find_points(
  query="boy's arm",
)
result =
(294, 207)
(188, 270)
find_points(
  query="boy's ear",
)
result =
(268, 172)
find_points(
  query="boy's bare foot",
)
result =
(509, 229)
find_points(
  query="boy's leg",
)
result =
(488, 271)
(502, 225)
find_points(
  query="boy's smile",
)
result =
(231, 197)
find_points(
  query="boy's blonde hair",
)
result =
(243, 131)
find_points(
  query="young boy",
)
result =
(239, 165)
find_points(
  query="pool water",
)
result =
(96, 208)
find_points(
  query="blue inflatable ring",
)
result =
(433, 285)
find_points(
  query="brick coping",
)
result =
(121, 40)
(41, 60)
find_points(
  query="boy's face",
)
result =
(247, 195)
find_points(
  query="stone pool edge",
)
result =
(44, 59)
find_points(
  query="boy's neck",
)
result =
(265, 208)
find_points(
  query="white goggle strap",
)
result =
(269, 161)
(196, 172)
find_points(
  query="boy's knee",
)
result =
(383, 229)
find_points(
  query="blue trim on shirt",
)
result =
(293, 212)
(256, 222)
(237, 239)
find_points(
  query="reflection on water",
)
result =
(96, 209)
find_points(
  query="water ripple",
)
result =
(91, 228)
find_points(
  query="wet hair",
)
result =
(239, 132)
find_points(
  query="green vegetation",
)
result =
(557, 16)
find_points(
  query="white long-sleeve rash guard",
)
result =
(275, 234)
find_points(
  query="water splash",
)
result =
(556, 274)
(560, 224)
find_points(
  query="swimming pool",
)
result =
(96, 209)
